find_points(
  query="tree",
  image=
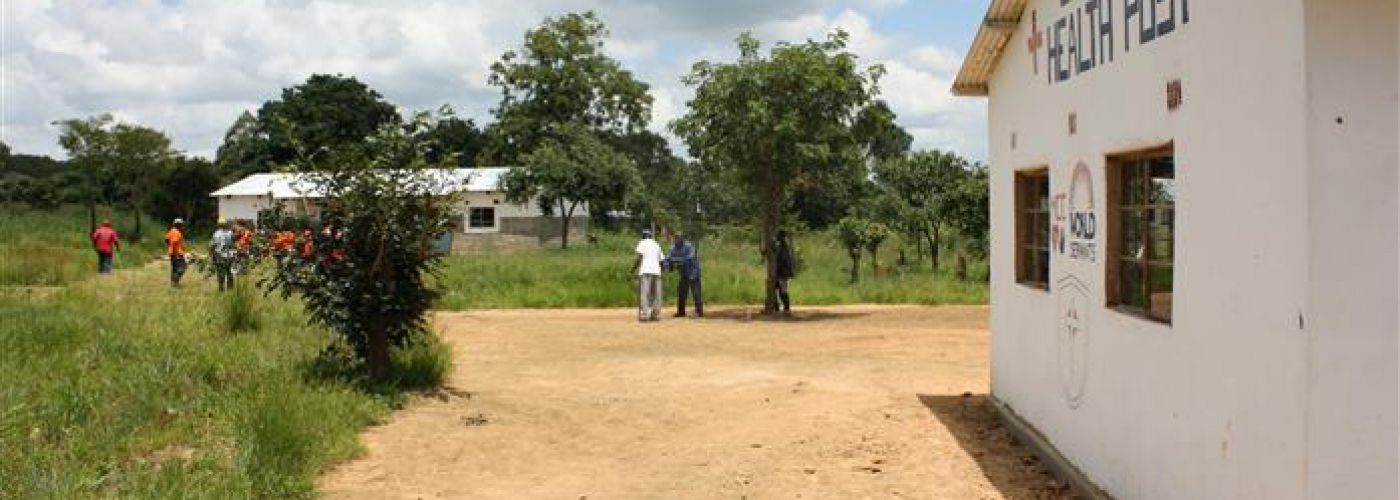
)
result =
(568, 169)
(321, 114)
(246, 149)
(776, 121)
(918, 192)
(90, 148)
(183, 191)
(561, 76)
(875, 235)
(851, 231)
(967, 210)
(368, 273)
(454, 140)
(141, 155)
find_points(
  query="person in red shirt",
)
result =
(175, 248)
(105, 241)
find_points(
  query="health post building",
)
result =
(1194, 242)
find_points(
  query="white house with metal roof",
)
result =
(1195, 277)
(486, 216)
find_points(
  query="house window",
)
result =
(1142, 233)
(1033, 228)
(481, 218)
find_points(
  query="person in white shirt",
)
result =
(648, 270)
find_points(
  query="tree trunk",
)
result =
(568, 217)
(874, 262)
(855, 267)
(933, 237)
(918, 248)
(377, 354)
(92, 214)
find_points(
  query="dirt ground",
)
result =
(842, 402)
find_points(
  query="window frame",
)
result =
(471, 219)
(1027, 181)
(1116, 263)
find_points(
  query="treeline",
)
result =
(796, 136)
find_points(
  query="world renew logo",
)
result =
(1076, 225)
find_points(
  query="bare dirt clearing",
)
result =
(842, 402)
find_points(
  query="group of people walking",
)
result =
(685, 261)
(225, 247)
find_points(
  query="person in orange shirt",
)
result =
(175, 249)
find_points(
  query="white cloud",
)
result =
(192, 67)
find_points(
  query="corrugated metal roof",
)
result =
(1003, 16)
(295, 185)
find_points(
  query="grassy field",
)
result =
(123, 387)
(52, 248)
(596, 275)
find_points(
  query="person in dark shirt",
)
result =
(686, 262)
(786, 268)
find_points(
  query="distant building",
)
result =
(1194, 241)
(485, 218)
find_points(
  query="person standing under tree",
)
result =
(221, 255)
(787, 268)
(686, 262)
(175, 249)
(647, 268)
(105, 241)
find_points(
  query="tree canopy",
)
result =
(778, 120)
(569, 168)
(320, 114)
(560, 75)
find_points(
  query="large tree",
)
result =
(453, 140)
(91, 150)
(567, 169)
(560, 76)
(319, 115)
(142, 155)
(776, 121)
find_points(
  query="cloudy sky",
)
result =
(189, 67)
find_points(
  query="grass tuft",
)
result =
(241, 308)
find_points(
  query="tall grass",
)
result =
(47, 248)
(241, 308)
(597, 275)
(154, 399)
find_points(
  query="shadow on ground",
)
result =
(747, 314)
(971, 420)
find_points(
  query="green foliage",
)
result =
(110, 153)
(778, 121)
(153, 400)
(183, 191)
(321, 114)
(568, 169)
(561, 75)
(596, 276)
(453, 140)
(53, 247)
(364, 273)
(859, 235)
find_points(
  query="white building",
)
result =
(1194, 241)
(486, 216)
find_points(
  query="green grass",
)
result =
(48, 248)
(122, 387)
(597, 276)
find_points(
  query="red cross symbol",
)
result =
(1037, 40)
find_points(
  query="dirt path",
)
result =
(851, 402)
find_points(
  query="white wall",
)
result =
(505, 209)
(242, 207)
(1214, 405)
(1353, 81)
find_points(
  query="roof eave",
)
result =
(998, 25)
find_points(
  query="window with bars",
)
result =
(481, 218)
(1142, 233)
(1033, 228)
